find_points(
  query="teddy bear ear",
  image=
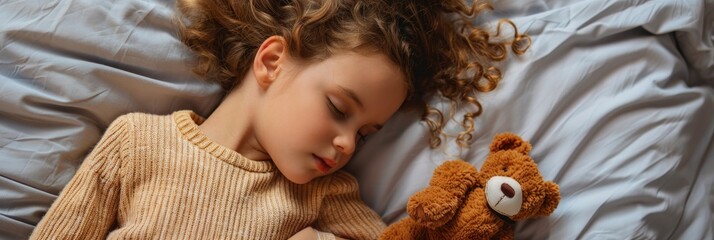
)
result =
(552, 198)
(510, 141)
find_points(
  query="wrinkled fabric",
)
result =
(616, 98)
(67, 69)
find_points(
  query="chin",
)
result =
(299, 179)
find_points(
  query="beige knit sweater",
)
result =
(160, 177)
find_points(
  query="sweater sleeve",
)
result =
(87, 206)
(344, 214)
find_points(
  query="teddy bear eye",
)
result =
(504, 169)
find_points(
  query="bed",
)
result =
(616, 97)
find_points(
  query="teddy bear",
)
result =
(464, 203)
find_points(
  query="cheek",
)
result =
(303, 120)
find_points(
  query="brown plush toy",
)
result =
(463, 203)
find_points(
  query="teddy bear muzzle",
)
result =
(504, 195)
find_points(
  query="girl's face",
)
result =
(313, 119)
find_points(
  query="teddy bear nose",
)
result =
(508, 190)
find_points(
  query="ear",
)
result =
(510, 141)
(552, 198)
(266, 65)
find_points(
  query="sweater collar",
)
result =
(187, 122)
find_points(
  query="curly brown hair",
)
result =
(436, 44)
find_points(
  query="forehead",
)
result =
(369, 74)
(369, 70)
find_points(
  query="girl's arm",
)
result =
(344, 214)
(86, 208)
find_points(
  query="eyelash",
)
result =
(360, 139)
(339, 115)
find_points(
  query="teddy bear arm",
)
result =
(433, 207)
(405, 229)
(456, 177)
(436, 204)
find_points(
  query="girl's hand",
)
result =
(305, 234)
(308, 233)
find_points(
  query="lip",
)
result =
(324, 165)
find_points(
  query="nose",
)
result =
(508, 190)
(345, 144)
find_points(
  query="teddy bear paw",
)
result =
(433, 207)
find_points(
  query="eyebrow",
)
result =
(354, 97)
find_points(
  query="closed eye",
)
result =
(339, 115)
(361, 138)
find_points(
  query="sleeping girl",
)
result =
(307, 81)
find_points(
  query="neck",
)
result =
(231, 124)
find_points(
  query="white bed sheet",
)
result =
(616, 98)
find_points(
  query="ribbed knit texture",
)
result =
(160, 177)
